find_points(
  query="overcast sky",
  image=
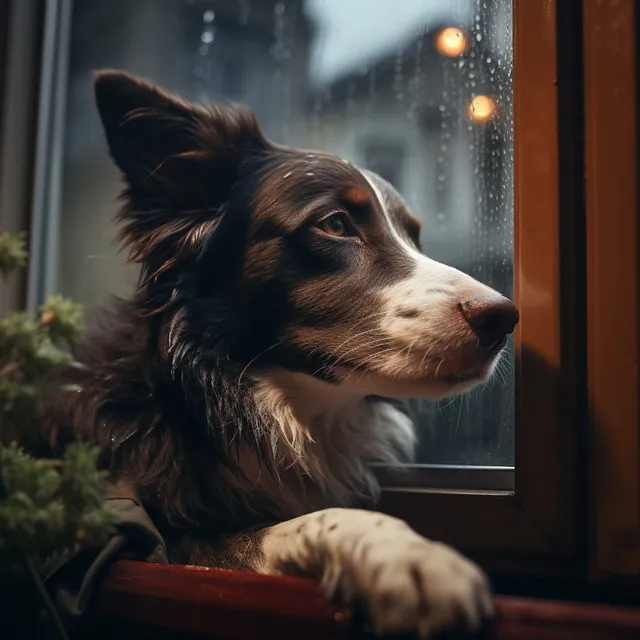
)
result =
(352, 32)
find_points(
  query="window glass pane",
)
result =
(418, 90)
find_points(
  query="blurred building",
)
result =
(408, 116)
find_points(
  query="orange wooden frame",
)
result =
(534, 529)
(613, 309)
(226, 604)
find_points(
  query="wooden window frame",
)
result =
(578, 349)
(577, 355)
(612, 63)
(578, 378)
(140, 600)
(535, 528)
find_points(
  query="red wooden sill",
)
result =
(245, 606)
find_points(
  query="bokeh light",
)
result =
(451, 42)
(481, 109)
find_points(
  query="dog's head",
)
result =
(287, 259)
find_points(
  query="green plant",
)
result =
(47, 506)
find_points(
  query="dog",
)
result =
(249, 383)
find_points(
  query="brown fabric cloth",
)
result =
(73, 577)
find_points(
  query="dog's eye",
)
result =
(335, 224)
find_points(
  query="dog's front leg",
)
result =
(405, 582)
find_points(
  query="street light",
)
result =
(451, 42)
(481, 109)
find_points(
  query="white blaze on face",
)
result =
(421, 313)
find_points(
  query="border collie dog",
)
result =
(247, 386)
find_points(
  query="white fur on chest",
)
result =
(322, 443)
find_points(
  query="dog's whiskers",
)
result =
(368, 345)
(352, 337)
(363, 364)
(409, 351)
(339, 358)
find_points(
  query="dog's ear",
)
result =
(179, 161)
(157, 140)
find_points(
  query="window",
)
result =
(380, 90)
(504, 473)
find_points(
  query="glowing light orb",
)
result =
(481, 109)
(451, 42)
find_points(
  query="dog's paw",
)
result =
(418, 587)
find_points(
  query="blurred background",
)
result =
(418, 90)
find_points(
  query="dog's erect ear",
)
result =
(180, 162)
(157, 139)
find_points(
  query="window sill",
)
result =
(229, 604)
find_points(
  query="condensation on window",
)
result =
(418, 90)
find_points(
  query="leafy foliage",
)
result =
(13, 254)
(47, 506)
(51, 505)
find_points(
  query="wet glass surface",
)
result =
(418, 90)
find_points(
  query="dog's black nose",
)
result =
(491, 316)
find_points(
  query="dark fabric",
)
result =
(73, 577)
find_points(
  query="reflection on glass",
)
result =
(366, 80)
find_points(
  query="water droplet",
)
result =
(207, 37)
(208, 16)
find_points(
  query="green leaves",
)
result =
(13, 252)
(52, 505)
(63, 320)
(29, 349)
(47, 507)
